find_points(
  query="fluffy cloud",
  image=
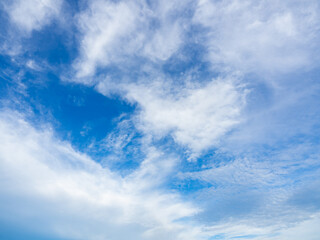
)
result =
(120, 32)
(260, 36)
(196, 116)
(103, 25)
(126, 34)
(21, 19)
(29, 15)
(64, 193)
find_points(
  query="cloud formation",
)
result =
(196, 117)
(63, 193)
(208, 128)
(119, 32)
(30, 15)
(260, 36)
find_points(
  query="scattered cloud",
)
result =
(260, 196)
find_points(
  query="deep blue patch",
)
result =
(78, 113)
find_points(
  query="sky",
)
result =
(164, 119)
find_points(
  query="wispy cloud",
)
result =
(47, 180)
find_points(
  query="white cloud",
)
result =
(265, 196)
(307, 230)
(73, 197)
(31, 64)
(24, 17)
(164, 42)
(241, 172)
(104, 25)
(167, 38)
(196, 116)
(29, 15)
(120, 32)
(260, 36)
(277, 115)
(241, 35)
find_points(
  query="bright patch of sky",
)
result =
(182, 120)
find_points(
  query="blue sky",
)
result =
(154, 120)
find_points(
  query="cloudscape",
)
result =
(159, 120)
